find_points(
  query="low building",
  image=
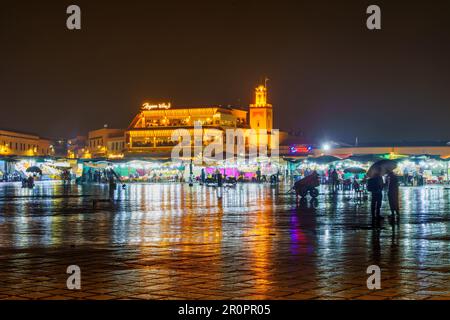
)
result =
(105, 142)
(13, 143)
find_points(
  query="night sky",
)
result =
(329, 75)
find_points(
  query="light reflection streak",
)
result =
(170, 220)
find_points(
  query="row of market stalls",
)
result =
(412, 169)
(150, 170)
(169, 171)
(41, 168)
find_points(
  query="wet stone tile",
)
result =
(169, 241)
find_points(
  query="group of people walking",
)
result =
(28, 182)
(375, 186)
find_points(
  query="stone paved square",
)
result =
(172, 241)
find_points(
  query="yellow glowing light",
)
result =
(148, 106)
(86, 155)
(261, 97)
(116, 156)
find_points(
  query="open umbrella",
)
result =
(381, 167)
(34, 169)
(354, 170)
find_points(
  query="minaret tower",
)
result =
(261, 111)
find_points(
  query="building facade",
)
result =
(14, 143)
(151, 130)
(104, 142)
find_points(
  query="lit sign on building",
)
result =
(148, 106)
(300, 148)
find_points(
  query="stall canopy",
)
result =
(324, 159)
(366, 157)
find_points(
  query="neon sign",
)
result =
(148, 106)
(300, 148)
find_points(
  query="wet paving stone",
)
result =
(171, 241)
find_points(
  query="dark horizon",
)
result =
(330, 77)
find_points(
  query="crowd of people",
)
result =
(218, 178)
(28, 182)
(360, 184)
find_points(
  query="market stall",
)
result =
(44, 169)
(413, 170)
(150, 171)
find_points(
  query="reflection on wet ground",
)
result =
(172, 241)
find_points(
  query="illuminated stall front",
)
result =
(412, 170)
(42, 168)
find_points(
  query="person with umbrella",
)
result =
(393, 194)
(375, 184)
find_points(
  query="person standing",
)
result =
(112, 187)
(30, 182)
(375, 186)
(393, 194)
(203, 176)
(219, 179)
(258, 174)
(335, 180)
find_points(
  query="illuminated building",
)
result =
(104, 142)
(261, 111)
(151, 130)
(14, 143)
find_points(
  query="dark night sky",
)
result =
(329, 75)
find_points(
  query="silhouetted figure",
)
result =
(375, 186)
(203, 176)
(334, 180)
(219, 179)
(393, 194)
(112, 187)
(30, 182)
(258, 175)
(357, 188)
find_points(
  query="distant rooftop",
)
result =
(229, 107)
(433, 143)
(19, 132)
